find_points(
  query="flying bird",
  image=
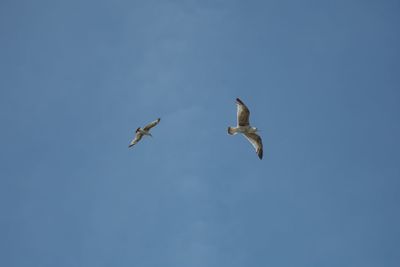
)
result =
(243, 127)
(145, 131)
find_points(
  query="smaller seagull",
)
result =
(243, 127)
(145, 131)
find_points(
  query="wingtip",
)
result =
(239, 101)
(260, 154)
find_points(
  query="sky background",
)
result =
(321, 78)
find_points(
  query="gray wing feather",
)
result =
(243, 113)
(151, 125)
(137, 138)
(256, 141)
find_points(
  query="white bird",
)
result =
(243, 127)
(145, 131)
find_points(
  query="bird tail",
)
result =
(231, 130)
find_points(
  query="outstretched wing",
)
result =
(137, 138)
(243, 113)
(151, 125)
(256, 141)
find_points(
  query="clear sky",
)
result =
(321, 78)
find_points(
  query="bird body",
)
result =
(243, 127)
(144, 132)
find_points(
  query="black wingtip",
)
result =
(239, 101)
(260, 154)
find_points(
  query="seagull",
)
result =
(145, 131)
(243, 127)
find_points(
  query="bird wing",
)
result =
(137, 138)
(243, 113)
(151, 125)
(256, 141)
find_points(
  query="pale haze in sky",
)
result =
(321, 79)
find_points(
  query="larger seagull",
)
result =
(243, 127)
(145, 131)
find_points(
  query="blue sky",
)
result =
(321, 79)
